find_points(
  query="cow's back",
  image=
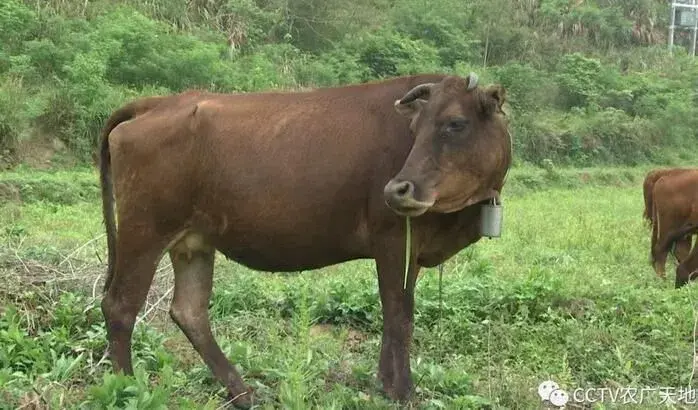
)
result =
(648, 186)
(678, 193)
(680, 182)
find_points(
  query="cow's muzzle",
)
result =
(400, 197)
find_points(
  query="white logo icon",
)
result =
(546, 388)
(550, 391)
(559, 398)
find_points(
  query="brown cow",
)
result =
(647, 186)
(674, 203)
(297, 181)
(683, 246)
(688, 268)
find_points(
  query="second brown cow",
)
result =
(674, 203)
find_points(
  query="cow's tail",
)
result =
(647, 215)
(687, 229)
(123, 114)
(647, 191)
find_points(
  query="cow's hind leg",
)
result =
(135, 265)
(682, 248)
(193, 268)
(658, 255)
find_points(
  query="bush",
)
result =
(18, 22)
(612, 136)
(387, 54)
(607, 136)
(586, 97)
(14, 121)
(528, 89)
(579, 80)
(451, 42)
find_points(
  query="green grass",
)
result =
(566, 294)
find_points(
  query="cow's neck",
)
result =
(444, 235)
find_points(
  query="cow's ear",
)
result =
(492, 99)
(411, 104)
(410, 109)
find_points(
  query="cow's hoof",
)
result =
(242, 400)
(400, 394)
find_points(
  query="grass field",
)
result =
(566, 294)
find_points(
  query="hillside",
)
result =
(589, 82)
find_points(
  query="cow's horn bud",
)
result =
(472, 81)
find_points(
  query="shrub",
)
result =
(387, 53)
(14, 121)
(578, 78)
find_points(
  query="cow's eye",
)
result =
(456, 125)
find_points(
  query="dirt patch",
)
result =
(31, 401)
(320, 330)
(340, 374)
(9, 193)
(576, 307)
(38, 152)
(43, 152)
(354, 340)
(181, 348)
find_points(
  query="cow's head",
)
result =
(462, 148)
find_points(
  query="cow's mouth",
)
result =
(414, 209)
(446, 206)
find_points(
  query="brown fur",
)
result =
(291, 182)
(123, 114)
(647, 186)
(674, 203)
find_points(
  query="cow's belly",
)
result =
(280, 247)
(287, 258)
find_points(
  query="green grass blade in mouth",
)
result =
(408, 248)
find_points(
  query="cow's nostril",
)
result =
(404, 189)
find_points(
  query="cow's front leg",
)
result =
(398, 316)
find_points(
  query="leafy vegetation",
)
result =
(567, 293)
(590, 81)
